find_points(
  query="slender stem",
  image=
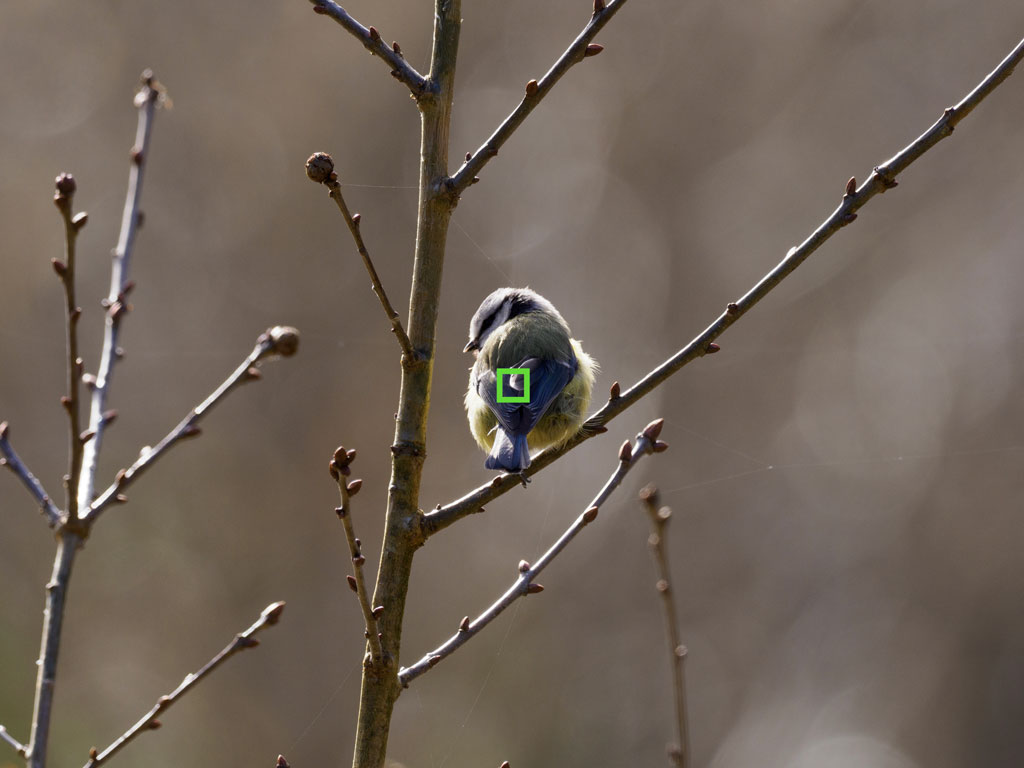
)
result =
(678, 753)
(270, 616)
(64, 200)
(881, 179)
(408, 352)
(12, 461)
(647, 442)
(18, 747)
(146, 100)
(535, 93)
(402, 536)
(68, 542)
(340, 472)
(373, 42)
(279, 340)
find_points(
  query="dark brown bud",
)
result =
(505, 765)
(285, 340)
(320, 165)
(626, 451)
(353, 585)
(712, 348)
(590, 515)
(849, 218)
(523, 566)
(592, 50)
(66, 184)
(354, 486)
(533, 589)
(653, 430)
(531, 88)
(615, 391)
(598, 6)
(434, 661)
(339, 511)
(356, 218)
(732, 308)
(378, 611)
(93, 753)
(374, 35)
(358, 560)
(319, 9)
(281, 762)
(59, 267)
(191, 431)
(396, 47)
(660, 446)
(79, 220)
(469, 156)
(86, 436)
(851, 186)
(464, 624)
(154, 725)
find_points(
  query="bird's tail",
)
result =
(510, 454)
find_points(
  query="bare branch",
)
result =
(63, 198)
(320, 168)
(147, 99)
(536, 90)
(279, 340)
(340, 471)
(149, 721)
(68, 542)
(11, 460)
(881, 179)
(372, 41)
(678, 753)
(646, 442)
(20, 748)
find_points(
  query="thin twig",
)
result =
(148, 722)
(72, 534)
(372, 41)
(63, 198)
(646, 442)
(20, 748)
(340, 471)
(536, 90)
(678, 753)
(147, 99)
(320, 168)
(881, 179)
(13, 462)
(279, 340)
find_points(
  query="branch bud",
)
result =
(319, 165)
(653, 430)
(615, 391)
(523, 566)
(374, 35)
(66, 185)
(281, 762)
(590, 515)
(592, 50)
(851, 186)
(285, 340)
(80, 220)
(712, 348)
(354, 486)
(59, 267)
(660, 446)
(626, 451)
(599, 6)
(353, 585)
(378, 611)
(533, 589)
(464, 624)
(531, 88)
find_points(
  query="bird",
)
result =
(530, 385)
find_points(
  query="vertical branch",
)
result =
(402, 534)
(678, 754)
(63, 198)
(53, 619)
(146, 100)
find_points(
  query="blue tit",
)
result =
(543, 401)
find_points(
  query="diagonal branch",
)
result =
(647, 442)
(18, 747)
(371, 40)
(536, 90)
(270, 616)
(63, 198)
(320, 168)
(147, 99)
(11, 460)
(279, 340)
(340, 471)
(679, 753)
(881, 179)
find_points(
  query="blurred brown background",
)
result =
(846, 475)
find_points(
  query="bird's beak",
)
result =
(472, 345)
